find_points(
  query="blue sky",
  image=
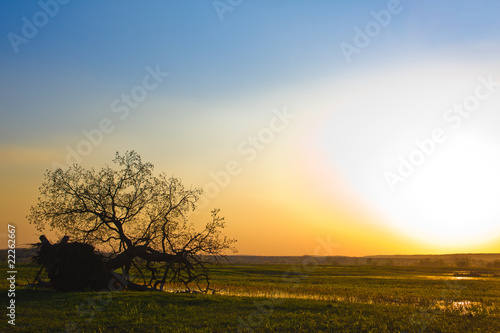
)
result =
(226, 77)
(99, 49)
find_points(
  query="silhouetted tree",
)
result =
(137, 218)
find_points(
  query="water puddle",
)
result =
(463, 307)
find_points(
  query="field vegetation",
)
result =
(278, 298)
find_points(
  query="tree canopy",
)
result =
(137, 218)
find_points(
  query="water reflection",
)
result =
(463, 307)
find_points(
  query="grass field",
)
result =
(277, 298)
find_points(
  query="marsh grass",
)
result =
(258, 298)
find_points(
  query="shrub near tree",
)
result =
(138, 219)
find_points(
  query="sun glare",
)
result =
(450, 196)
(454, 197)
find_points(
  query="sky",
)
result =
(370, 125)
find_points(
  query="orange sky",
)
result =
(270, 213)
(308, 111)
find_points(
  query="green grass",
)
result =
(267, 298)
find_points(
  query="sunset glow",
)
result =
(300, 123)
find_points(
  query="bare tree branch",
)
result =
(137, 217)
